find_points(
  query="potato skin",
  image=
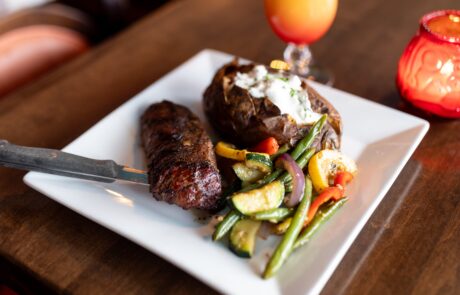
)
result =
(245, 120)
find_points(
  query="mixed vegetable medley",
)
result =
(274, 191)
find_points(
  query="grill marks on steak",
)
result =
(181, 162)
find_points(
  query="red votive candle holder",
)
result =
(429, 69)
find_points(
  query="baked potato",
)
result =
(242, 118)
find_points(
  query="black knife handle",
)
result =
(56, 162)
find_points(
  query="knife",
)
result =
(61, 163)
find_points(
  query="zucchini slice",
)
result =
(259, 161)
(268, 197)
(243, 237)
(247, 174)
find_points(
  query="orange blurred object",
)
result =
(28, 52)
(429, 69)
(301, 21)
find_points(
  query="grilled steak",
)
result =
(181, 162)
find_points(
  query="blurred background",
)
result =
(37, 36)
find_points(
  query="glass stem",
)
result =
(299, 58)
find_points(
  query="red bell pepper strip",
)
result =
(335, 193)
(343, 178)
(268, 146)
(327, 194)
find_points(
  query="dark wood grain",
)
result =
(410, 244)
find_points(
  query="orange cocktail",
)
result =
(301, 21)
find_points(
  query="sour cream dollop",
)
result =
(285, 92)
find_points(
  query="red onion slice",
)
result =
(298, 179)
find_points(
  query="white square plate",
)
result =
(380, 139)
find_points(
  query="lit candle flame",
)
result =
(454, 18)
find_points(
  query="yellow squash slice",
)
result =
(324, 165)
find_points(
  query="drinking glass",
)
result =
(300, 23)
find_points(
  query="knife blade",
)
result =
(65, 164)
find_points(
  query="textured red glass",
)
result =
(429, 69)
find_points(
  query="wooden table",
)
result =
(411, 244)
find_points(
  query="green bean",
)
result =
(306, 142)
(226, 224)
(283, 149)
(286, 246)
(320, 218)
(274, 215)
